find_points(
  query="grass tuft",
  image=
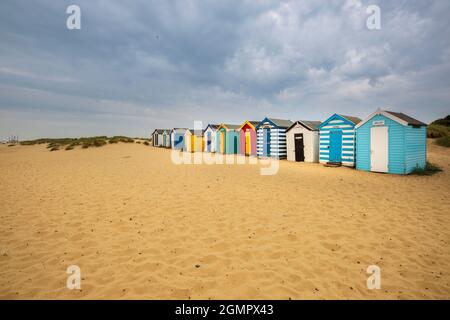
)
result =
(429, 170)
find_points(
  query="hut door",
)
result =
(379, 149)
(299, 147)
(247, 142)
(222, 142)
(208, 142)
(335, 146)
(266, 142)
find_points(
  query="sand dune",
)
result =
(140, 227)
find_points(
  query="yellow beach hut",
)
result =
(193, 140)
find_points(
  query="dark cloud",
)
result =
(140, 64)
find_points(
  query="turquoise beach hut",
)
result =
(390, 142)
(337, 140)
(227, 139)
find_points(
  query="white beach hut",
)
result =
(302, 140)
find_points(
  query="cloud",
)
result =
(139, 65)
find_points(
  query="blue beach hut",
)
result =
(337, 140)
(271, 138)
(390, 142)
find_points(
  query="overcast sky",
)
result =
(139, 65)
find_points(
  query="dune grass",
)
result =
(84, 142)
(443, 141)
(437, 131)
(429, 170)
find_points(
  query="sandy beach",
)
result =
(140, 227)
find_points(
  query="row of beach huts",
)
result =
(386, 141)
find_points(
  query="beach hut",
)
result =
(390, 142)
(271, 138)
(227, 139)
(166, 138)
(193, 140)
(247, 138)
(337, 140)
(302, 141)
(157, 137)
(210, 137)
(177, 138)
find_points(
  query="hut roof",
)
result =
(253, 123)
(229, 126)
(355, 120)
(212, 126)
(180, 129)
(281, 122)
(396, 116)
(310, 125)
(197, 132)
(407, 118)
(158, 131)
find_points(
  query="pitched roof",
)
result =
(196, 132)
(253, 123)
(355, 120)
(183, 130)
(311, 125)
(213, 126)
(281, 122)
(407, 118)
(230, 126)
(158, 131)
(396, 116)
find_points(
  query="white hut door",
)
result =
(379, 149)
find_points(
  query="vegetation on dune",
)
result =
(437, 131)
(444, 141)
(429, 170)
(117, 139)
(442, 122)
(440, 130)
(84, 142)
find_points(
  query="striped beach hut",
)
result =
(193, 140)
(302, 140)
(166, 138)
(247, 137)
(337, 140)
(177, 138)
(390, 142)
(271, 138)
(157, 137)
(227, 139)
(209, 137)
